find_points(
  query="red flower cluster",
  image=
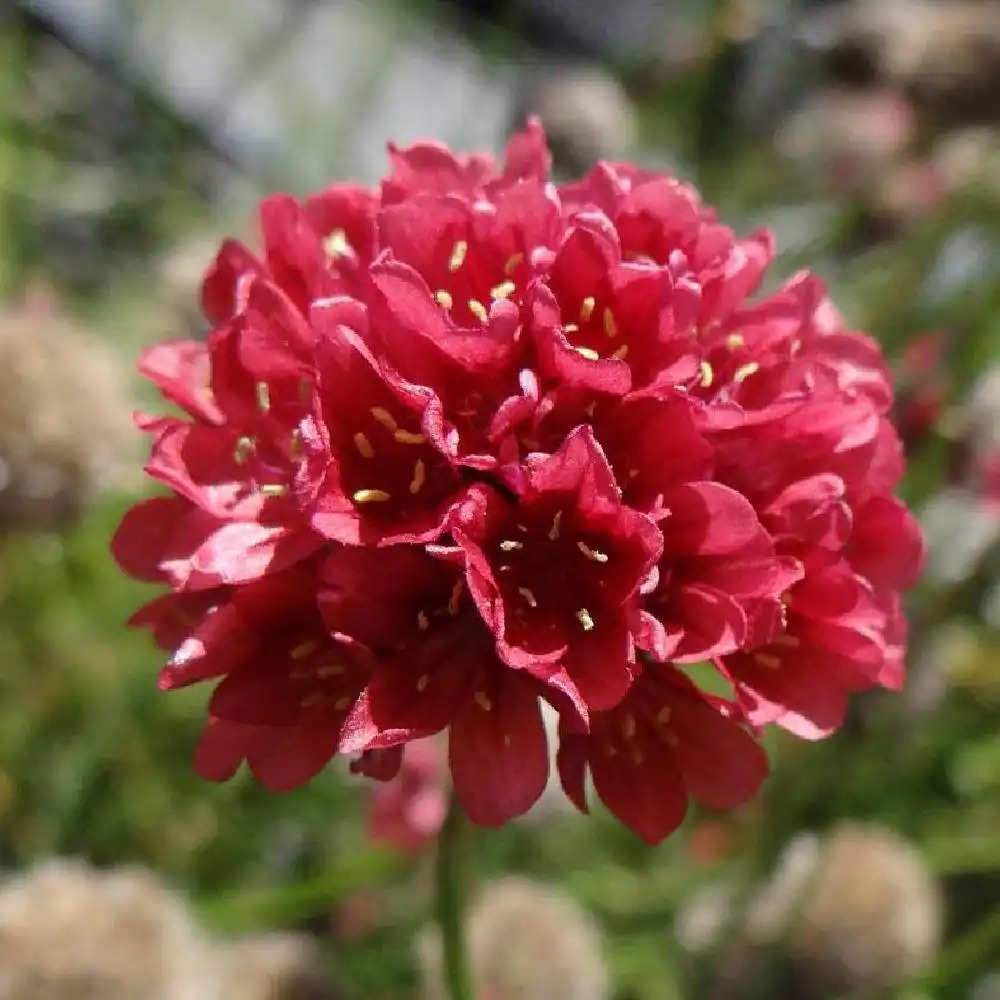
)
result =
(474, 440)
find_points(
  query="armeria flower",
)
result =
(471, 442)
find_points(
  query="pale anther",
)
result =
(384, 417)
(593, 554)
(423, 622)
(273, 490)
(409, 437)
(509, 545)
(587, 308)
(482, 700)
(419, 475)
(735, 340)
(457, 258)
(745, 371)
(556, 522)
(588, 353)
(456, 597)
(263, 397)
(707, 375)
(363, 445)
(423, 681)
(622, 353)
(610, 326)
(584, 618)
(478, 310)
(336, 244)
(303, 649)
(791, 641)
(767, 661)
(503, 291)
(513, 263)
(329, 670)
(528, 596)
(443, 299)
(244, 449)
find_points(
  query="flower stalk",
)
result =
(452, 887)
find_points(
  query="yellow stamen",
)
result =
(707, 375)
(422, 682)
(622, 353)
(791, 641)
(735, 340)
(745, 371)
(513, 263)
(478, 310)
(503, 291)
(456, 597)
(796, 346)
(384, 417)
(584, 618)
(570, 328)
(593, 554)
(419, 476)
(528, 596)
(767, 661)
(663, 716)
(371, 496)
(363, 445)
(273, 490)
(329, 670)
(244, 449)
(443, 299)
(610, 326)
(313, 699)
(637, 755)
(336, 244)
(423, 622)
(556, 522)
(482, 700)
(458, 253)
(263, 397)
(587, 308)
(303, 649)
(295, 445)
(409, 437)
(341, 703)
(588, 353)
(628, 726)
(509, 545)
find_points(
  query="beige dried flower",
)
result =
(70, 932)
(273, 967)
(852, 915)
(527, 941)
(871, 917)
(587, 115)
(65, 417)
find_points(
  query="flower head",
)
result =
(473, 442)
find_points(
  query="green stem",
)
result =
(451, 889)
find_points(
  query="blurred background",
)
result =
(134, 134)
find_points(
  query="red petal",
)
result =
(499, 755)
(642, 786)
